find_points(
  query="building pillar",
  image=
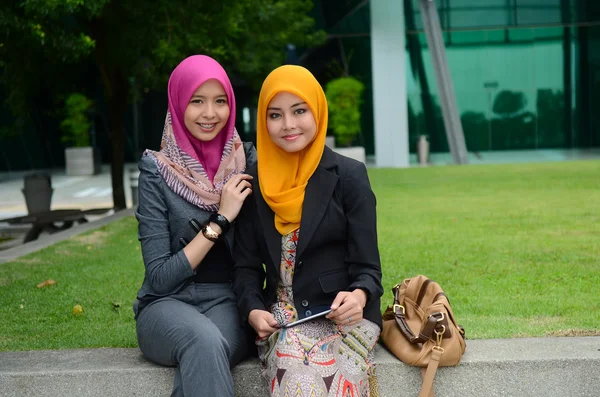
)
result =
(435, 41)
(389, 83)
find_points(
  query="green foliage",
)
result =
(40, 41)
(344, 97)
(145, 40)
(247, 36)
(77, 124)
(134, 46)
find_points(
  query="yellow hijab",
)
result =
(283, 176)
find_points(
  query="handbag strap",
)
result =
(429, 373)
(400, 316)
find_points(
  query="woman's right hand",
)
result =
(233, 195)
(263, 323)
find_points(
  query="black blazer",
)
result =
(337, 248)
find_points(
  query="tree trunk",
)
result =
(117, 108)
(116, 92)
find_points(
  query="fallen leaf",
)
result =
(116, 305)
(77, 310)
(46, 283)
(21, 306)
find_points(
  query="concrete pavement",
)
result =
(69, 192)
(82, 192)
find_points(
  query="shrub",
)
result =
(77, 124)
(344, 97)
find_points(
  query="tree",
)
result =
(509, 103)
(141, 41)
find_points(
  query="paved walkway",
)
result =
(70, 192)
(82, 192)
(517, 156)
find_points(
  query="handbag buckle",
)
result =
(401, 307)
(439, 335)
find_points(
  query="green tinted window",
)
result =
(510, 93)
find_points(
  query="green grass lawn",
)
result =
(516, 247)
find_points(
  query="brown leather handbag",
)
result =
(419, 328)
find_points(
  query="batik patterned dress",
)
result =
(317, 358)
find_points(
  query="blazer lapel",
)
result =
(267, 220)
(316, 199)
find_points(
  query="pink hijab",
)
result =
(190, 74)
(196, 170)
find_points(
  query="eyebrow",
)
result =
(202, 96)
(293, 106)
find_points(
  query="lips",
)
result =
(291, 137)
(207, 127)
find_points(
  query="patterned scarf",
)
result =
(194, 170)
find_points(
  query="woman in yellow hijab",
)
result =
(312, 222)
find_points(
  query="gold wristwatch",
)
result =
(209, 233)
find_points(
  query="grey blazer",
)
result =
(163, 218)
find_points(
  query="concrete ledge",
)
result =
(512, 367)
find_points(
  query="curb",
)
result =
(550, 367)
(33, 246)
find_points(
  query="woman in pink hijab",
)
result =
(190, 192)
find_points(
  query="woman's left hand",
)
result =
(347, 308)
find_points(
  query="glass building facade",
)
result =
(526, 73)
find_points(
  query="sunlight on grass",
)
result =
(516, 248)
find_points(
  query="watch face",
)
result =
(221, 221)
(221, 218)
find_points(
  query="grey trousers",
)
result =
(199, 331)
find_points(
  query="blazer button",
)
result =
(305, 303)
(300, 264)
(308, 313)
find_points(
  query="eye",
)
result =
(196, 101)
(274, 116)
(222, 101)
(300, 111)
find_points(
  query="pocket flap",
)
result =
(334, 281)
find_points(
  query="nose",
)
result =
(288, 123)
(208, 112)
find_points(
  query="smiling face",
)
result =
(290, 122)
(208, 111)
